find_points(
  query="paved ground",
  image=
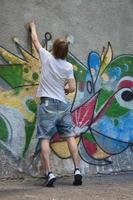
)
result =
(100, 187)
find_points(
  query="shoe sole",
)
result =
(77, 179)
(50, 182)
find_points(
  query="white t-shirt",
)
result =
(54, 74)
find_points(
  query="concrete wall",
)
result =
(102, 109)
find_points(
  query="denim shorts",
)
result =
(54, 116)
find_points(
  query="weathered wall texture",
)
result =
(102, 109)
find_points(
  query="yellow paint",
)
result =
(30, 62)
(100, 154)
(106, 57)
(9, 99)
(61, 148)
(75, 68)
(12, 59)
(105, 77)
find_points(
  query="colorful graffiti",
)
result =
(102, 106)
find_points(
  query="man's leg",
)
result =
(72, 145)
(45, 153)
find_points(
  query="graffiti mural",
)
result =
(102, 110)
(102, 106)
(17, 101)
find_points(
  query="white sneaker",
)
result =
(50, 179)
(77, 177)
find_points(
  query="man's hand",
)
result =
(66, 91)
(32, 27)
(32, 24)
(70, 86)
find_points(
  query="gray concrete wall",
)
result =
(93, 23)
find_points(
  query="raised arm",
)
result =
(34, 35)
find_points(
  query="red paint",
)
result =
(90, 148)
(82, 116)
(125, 84)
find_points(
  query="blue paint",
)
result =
(115, 73)
(109, 145)
(94, 60)
(126, 67)
(122, 132)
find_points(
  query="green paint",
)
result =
(26, 70)
(35, 76)
(12, 74)
(30, 126)
(3, 130)
(31, 105)
(80, 74)
(89, 137)
(29, 130)
(102, 98)
(115, 110)
(122, 62)
(16, 91)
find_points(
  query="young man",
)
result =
(54, 109)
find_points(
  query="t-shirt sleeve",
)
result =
(43, 53)
(69, 73)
